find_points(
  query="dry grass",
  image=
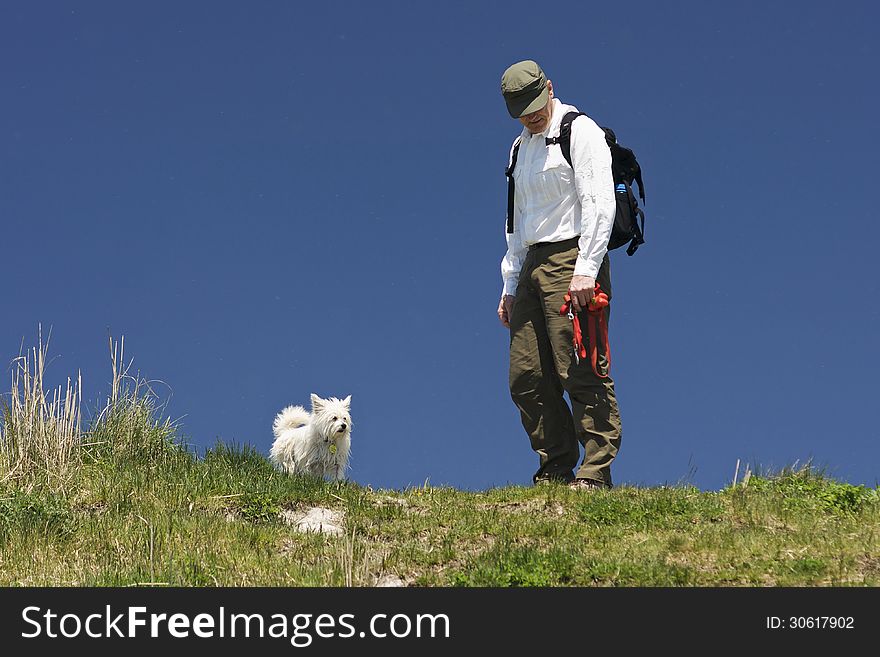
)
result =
(129, 424)
(40, 430)
(42, 441)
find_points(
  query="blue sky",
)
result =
(269, 199)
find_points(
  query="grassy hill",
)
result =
(123, 503)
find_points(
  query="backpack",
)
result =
(629, 220)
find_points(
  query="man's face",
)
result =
(537, 122)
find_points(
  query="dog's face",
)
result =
(332, 416)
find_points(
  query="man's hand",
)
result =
(505, 307)
(582, 290)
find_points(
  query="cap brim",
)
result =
(523, 104)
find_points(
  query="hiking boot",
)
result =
(587, 484)
(553, 479)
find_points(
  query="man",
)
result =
(562, 219)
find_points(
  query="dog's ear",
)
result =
(317, 403)
(347, 401)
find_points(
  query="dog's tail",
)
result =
(290, 418)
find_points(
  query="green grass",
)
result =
(136, 507)
(215, 520)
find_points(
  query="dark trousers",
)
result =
(543, 368)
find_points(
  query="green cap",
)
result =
(524, 87)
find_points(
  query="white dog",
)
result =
(316, 443)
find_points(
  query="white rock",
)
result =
(390, 580)
(316, 519)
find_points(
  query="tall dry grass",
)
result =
(42, 440)
(40, 430)
(129, 426)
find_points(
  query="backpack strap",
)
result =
(638, 178)
(564, 138)
(639, 237)
(510, 185)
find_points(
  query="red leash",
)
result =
(596, 322)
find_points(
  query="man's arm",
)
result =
(594, 183)
(511, 264)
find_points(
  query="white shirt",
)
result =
(552, 202)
